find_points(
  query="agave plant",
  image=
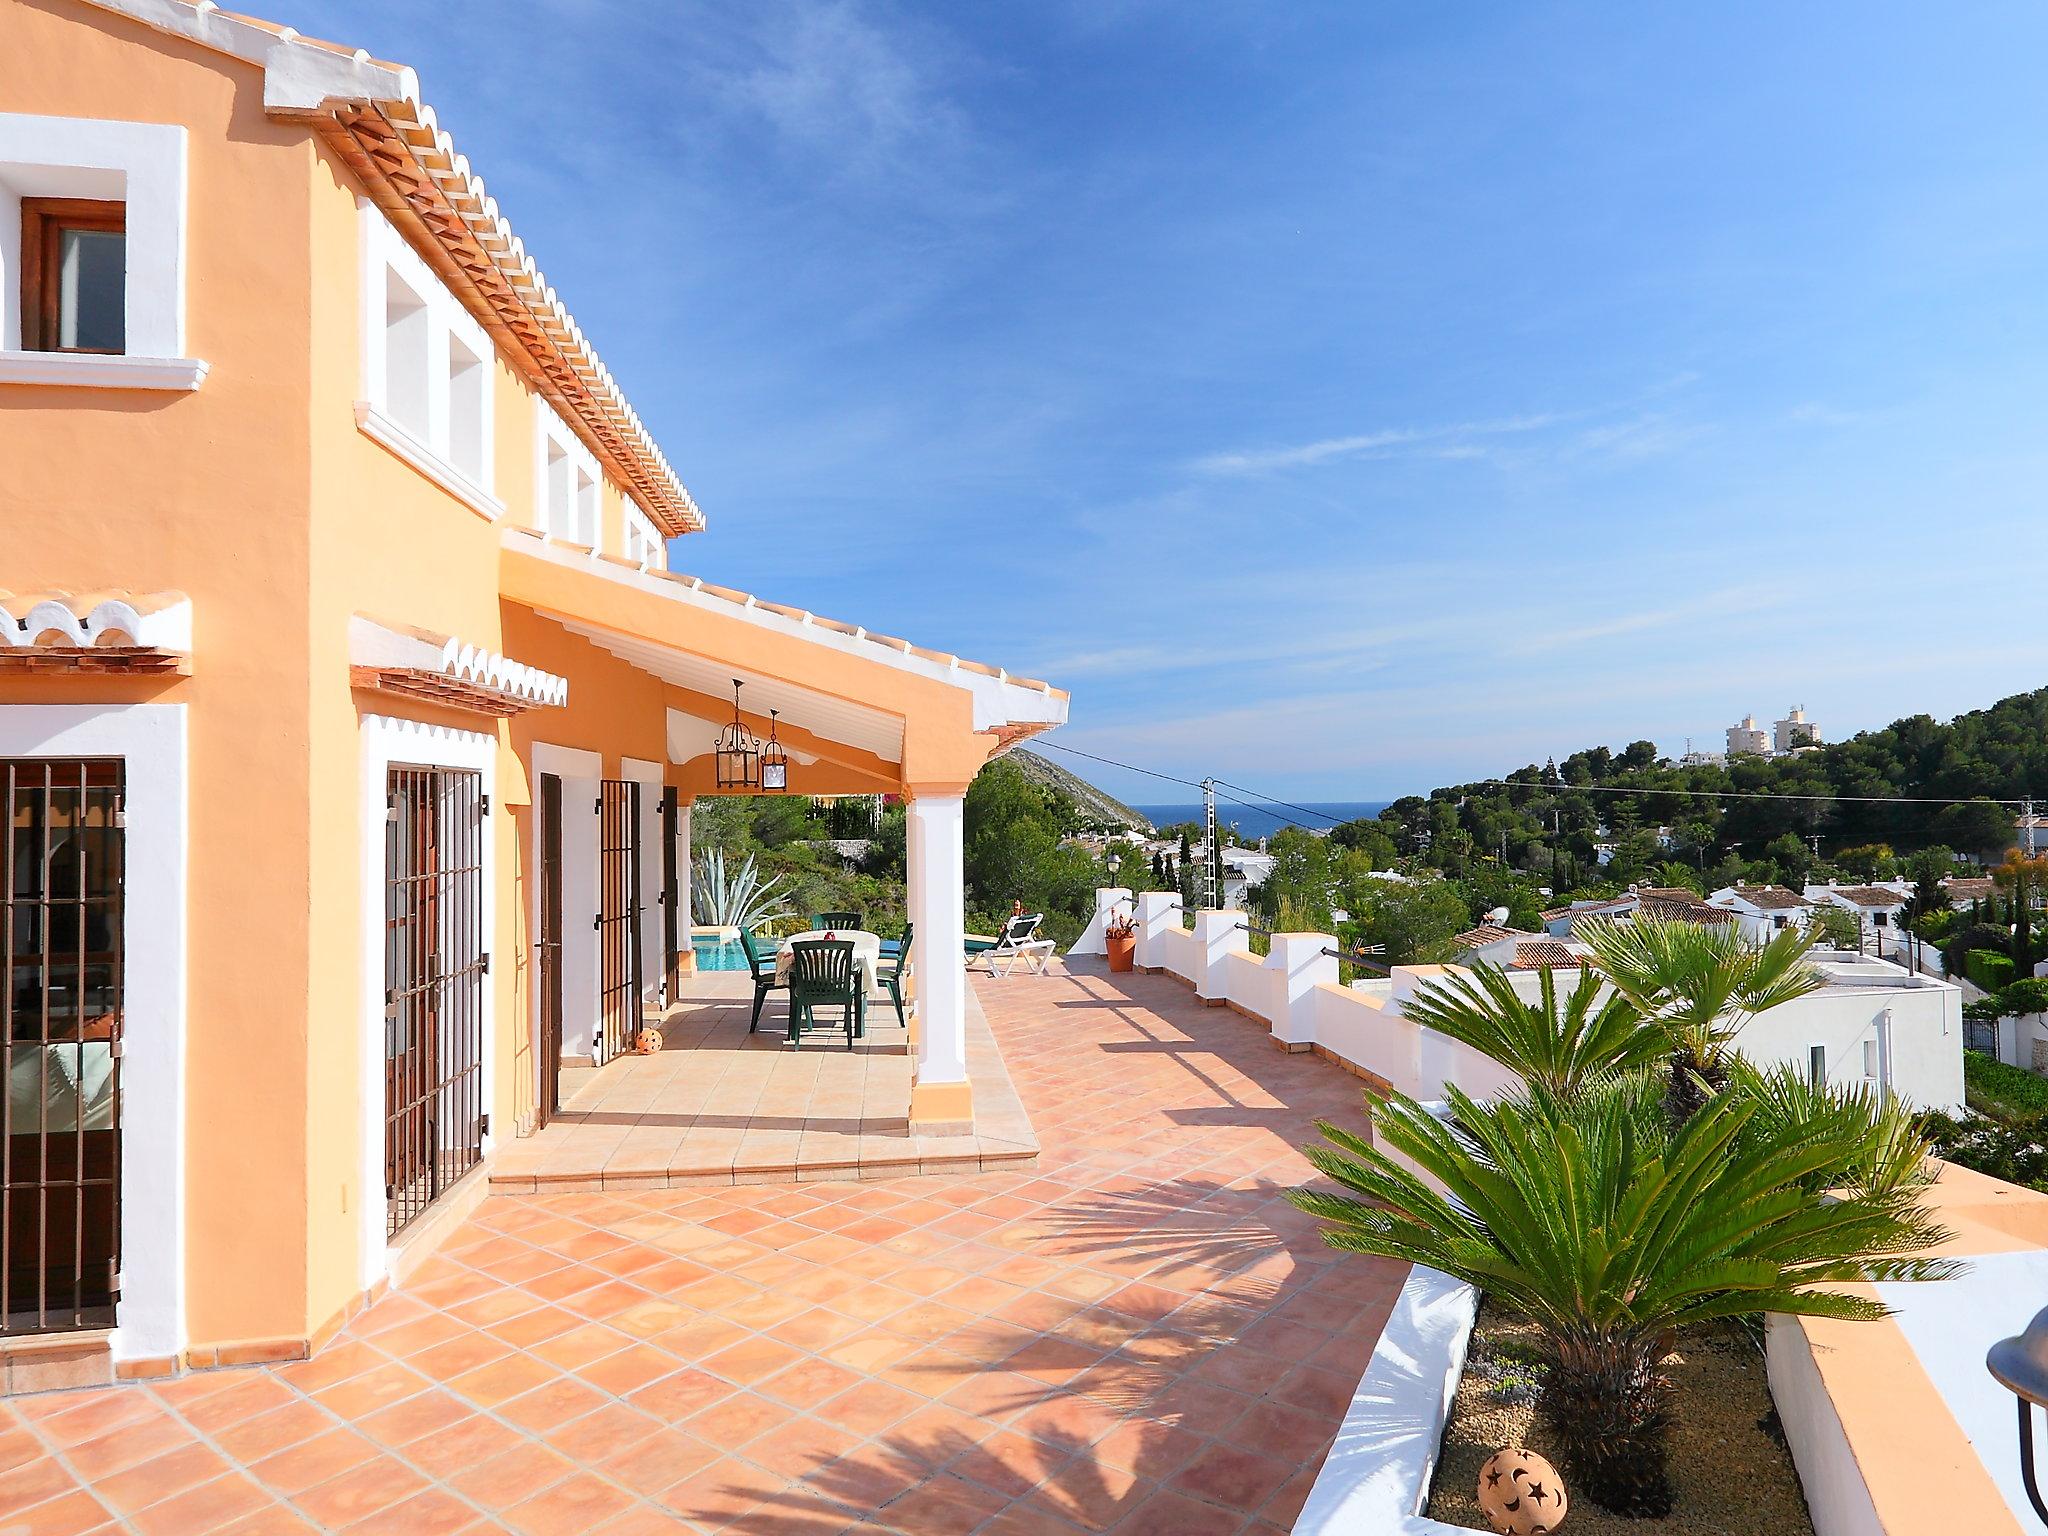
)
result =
(1563, 1050)
(1702, 982)
(1611, 1233)
(736, 898)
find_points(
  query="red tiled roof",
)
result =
(1868, 895)
(1547, 955)
(1771, 898)
(1487, 933)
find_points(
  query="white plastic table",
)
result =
(867, 953)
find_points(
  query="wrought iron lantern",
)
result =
(738, 753)
(774, 761)
(2020, 1365)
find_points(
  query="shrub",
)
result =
(2011, 1151)
(1988, 968)
(1969, 936)
(2027, 995)
(2009, 1093)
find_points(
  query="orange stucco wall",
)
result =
(259, 497)
(206, 493)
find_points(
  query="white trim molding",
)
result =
(380, 428)
(141, 165)
(96, 370)
(387, 740)
(150, 741)
(448, 422)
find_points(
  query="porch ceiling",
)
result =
(821, 714)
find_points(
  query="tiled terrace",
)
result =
(1138, 1335)
(719, 1104)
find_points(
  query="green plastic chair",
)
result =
(833, 922)
(763, 971)
(822, 974)
(890, 973)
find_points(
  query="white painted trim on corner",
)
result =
(387, 740)
(375, 425)
(580, 772)
(150, 739)
(1376, 1477)
(98, 370)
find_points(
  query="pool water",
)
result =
(716, 954)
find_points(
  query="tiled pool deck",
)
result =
(1137, 1335)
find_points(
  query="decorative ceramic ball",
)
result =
(1520, 1493)
(649, 1041)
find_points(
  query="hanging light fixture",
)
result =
(738, 754)
(774, 761)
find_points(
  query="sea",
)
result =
(1256, 819)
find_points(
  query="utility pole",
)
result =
(1214, 850)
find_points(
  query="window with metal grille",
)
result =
(618, 913)
(434, 965)
(60, 966)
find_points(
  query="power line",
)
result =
(1112, 762)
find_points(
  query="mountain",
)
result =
(1096, 807)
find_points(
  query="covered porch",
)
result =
(654, 661)
(718, 1104)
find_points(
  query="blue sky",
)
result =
(1342, 399)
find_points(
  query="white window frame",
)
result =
(550, 431)
(387, 740)
(644, 543)
(384, 255)
(149, 1318)
(141, 166)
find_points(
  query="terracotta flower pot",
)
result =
(1123, 950)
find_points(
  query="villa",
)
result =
(350, 719)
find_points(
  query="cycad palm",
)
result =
(1702, 982)
(1564, 1050)
(1611, 1239)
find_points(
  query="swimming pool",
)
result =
(716, 954)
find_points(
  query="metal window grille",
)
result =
(434, 965)
(618, 914)
(61, 968)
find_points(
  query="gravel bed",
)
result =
(1732, 1472)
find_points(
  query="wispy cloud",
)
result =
(1463, 440)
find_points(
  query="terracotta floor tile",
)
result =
(203, 1510)
(465, 1444)
(315, 1461)
(738, 1419)
(427, 1513)
(513, 1477)
(356, 1495)
(35, 1483)
(131, 1444)
(153, 1481)
(1232, 1477)
(68, 1514)
(570, 1508)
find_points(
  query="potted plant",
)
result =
(1120, 937)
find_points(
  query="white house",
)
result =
(1763, 909)
(1878, 907)
(1666, 901)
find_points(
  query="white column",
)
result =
(940, 1096)
(1219, 931)
(1157, 912)
(1300, 966)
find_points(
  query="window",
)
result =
(1817, 1065)
(427, 369)
(644, 543)
(92, 254)
(74, 275)
(1877, 919)
(1777, 922)
(567, 483)
(1870, 1058)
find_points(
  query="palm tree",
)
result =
(1611, 1236)
(1702, 982)
(1561, 1050)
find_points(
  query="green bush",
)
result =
(2011, 1151)
(2027, 995)
(1971, 936)
(1992, 1088)
(1988, 968)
